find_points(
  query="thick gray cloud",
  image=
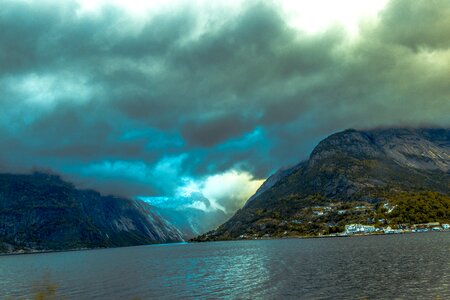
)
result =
(135, 107)
(421, 24)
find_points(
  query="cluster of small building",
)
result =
(319, 211)
(368, 229)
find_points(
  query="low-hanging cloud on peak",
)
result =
(108, 98)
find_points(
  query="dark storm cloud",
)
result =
(117, 103)
(417, 24)
(211, 132)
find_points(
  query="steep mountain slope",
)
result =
(346, 170)
(42, 212)
(192, 222)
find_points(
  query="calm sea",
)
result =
(409, 266)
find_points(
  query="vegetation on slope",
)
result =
(316, 215)
(379, 177)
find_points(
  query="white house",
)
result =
(358, 228)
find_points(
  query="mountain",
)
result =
(380, 176)
(191, 221)
(42, 212)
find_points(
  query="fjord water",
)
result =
(409, 266)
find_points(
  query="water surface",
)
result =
(409, 266)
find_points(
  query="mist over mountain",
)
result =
(139, 103)
(371, 166)
(192, 222)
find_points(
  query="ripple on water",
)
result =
(377, 267)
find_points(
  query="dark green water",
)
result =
(410, 266)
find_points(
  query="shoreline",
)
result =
(317, 237)
(21, 252)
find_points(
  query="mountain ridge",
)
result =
(370, 166)
(41, 212)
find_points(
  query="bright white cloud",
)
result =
(307, 15)
(226, 191)
(229, 190)
(317, 15)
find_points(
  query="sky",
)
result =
(194, 103)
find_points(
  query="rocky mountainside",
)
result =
(43, 212)
(192, 222)
(346, 170)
